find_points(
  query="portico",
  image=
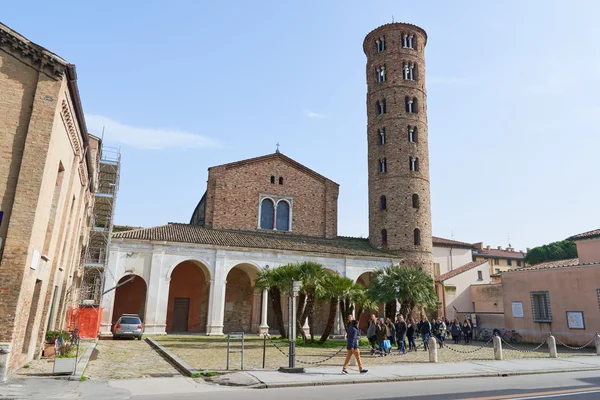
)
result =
(208, 288)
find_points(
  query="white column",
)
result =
(157, 297)
(264, 327)
(108, 299)
(216, 303)
(306, 328)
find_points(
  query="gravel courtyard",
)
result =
(210, 353)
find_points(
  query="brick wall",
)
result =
(38, 227)
(188, 281)
(239, 301)
(234, 190)
(399, 183)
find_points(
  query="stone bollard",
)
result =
(597, 339)
(497, 347)
(552, 346)
(433, 348)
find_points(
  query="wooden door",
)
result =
(181, 311)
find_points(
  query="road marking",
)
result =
(542, 395)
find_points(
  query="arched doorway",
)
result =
(242, 303)
(130, 298)
(187, 307)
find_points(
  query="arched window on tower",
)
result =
(382, 137)
(384, 237)
(409, 71)
(381, 74)
(415, 200)
(283, 216)
(281, 180)
(409, 104)
(383, 106)
(267, 214)
(383, 165)
(380, 44)
(378, 108)
(383, 203)
(417, 237)
(411, 41)
(414, 163)
(413, 136)
(272, 179)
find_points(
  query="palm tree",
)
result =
(409, 285)
(270, 280)
(340, 291)
(312, 275)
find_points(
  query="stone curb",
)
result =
(350, 381)
(184, 367)
(83, 361)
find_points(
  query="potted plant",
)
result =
(65, 356)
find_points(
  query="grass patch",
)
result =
(209, 374)
(83, 378)
(25, 366)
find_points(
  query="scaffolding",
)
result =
(97, 250)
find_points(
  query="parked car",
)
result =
(128, 325)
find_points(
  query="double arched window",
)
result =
(275, 216)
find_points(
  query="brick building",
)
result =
(269, 211)
(47, 171)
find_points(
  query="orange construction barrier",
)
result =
(86, 319)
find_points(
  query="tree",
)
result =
(409, 285)
(338, 291)
(554, 251)
(312, 276)
(269, 280)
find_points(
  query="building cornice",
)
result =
(34, 55)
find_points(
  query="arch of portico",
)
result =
(242, 311)
(130, 297)
(188, 298)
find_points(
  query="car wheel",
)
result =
(139, 338)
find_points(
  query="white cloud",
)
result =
(145, 138)
(449, 80)
(312, 114)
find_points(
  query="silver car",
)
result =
(129, 325)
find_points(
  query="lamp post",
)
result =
(294, 291)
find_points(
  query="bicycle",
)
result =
(511, 336)
(484, 335)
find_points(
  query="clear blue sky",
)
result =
(514, 110)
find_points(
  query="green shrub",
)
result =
(51, 335)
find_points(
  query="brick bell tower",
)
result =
(398, 155)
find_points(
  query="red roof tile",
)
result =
(495, 253)
(573, 262)
(459, 270)
(586, 235)
(441, 242)
(183, 233)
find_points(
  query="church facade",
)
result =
(270, 211)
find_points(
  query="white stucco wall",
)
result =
(463, 302)
(451, 258)
(154, 262)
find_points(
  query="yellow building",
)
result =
(500, 259)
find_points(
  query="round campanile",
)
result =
(398, 155)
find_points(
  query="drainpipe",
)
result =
(451, 266)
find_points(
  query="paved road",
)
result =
(572, 386)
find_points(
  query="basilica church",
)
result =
(271, 210)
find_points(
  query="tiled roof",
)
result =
(586, 235)
(441, 242)
(459, 270)
(573, 262)
(495, 253)
(183, 233)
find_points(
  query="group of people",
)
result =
(383, 334)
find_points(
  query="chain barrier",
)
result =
(524, 351)
(576, 348)
(305, 362)
(446, 346)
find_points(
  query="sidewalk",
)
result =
(408, 372)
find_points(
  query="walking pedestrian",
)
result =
(352, 348)
(425, 332)
(401, 333)
(440, 331)
(410, 334)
